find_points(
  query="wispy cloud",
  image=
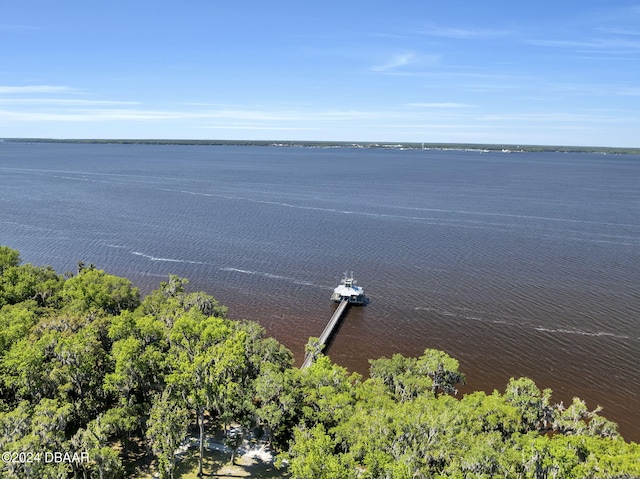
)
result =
(275, 115)
(440, 105)
(461, 33)
(12, 90)
(444, 119)
(89, 115)
(558, 119)
(62, 102)
(269, 117)
(598, 44)
(620, 31)
(259, 127)
(396, 61)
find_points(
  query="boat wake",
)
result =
(521, 321)
(167, 260)
(268, 275)
(583, 333)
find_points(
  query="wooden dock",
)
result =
(328, 330)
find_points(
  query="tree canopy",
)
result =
(88, 365)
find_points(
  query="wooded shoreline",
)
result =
(506, 148)
(88, 365)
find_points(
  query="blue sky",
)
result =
(546, 72)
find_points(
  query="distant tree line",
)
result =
(88, 365)
(343, 144)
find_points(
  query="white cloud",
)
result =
(258, 127)
(108, 114)
(285, 115)
(397, 61)
(620, 31)
(461, 33)
(441, 105)
(602, 45)
(33, 89)
(62, 102)
(90, 115)
(546, 118)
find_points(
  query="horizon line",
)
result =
(514, 147)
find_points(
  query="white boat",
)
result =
(349, 291)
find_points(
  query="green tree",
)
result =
(139, 351)
(399, 375)
(15, 323)
(313, 348)
(28, 282)
(312, 456)
(35, 429)
(26, 369)
(94, 439)
(328, 392)
(167, 429)
(577, 419)
(94, 293)
(206, 358)
(490, 413)
(533, 405)
(279, 400)
(124, 421)
(78, 364)
(408, 378)
(442, 369)
(9, 258)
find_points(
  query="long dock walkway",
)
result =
(328, 329)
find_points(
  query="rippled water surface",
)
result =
(516, 264)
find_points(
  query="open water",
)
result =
(515, 264)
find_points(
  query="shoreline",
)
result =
(479, 147)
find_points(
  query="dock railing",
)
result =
(328, 330)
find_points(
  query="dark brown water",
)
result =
(515, 264)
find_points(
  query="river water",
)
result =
(515, 264)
